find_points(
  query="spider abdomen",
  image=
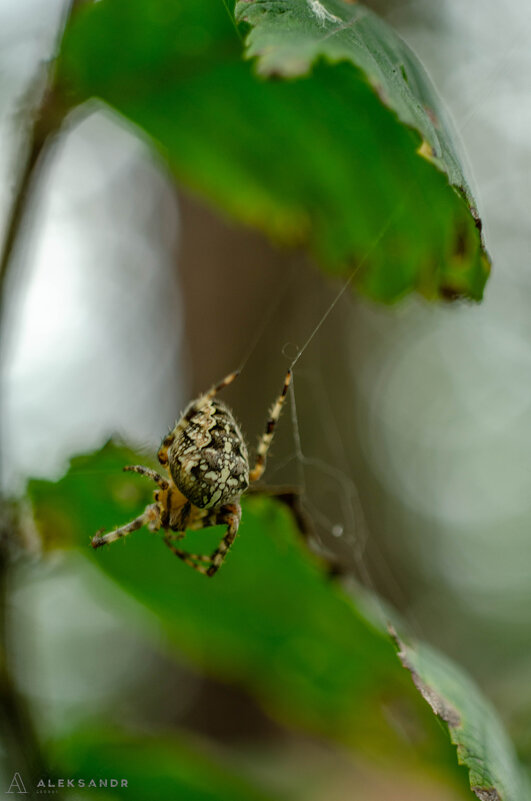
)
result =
(208, 459)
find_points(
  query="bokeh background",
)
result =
(410, 436)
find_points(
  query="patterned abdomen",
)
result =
(208, 460)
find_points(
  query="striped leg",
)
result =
(150, 517)
(222, 384)
(166, 444)
(168, 440)
(265, 440)
(209, 565)
(149, 473)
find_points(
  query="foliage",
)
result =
(274, 622)
(349, 153)
(154, 767)
(482, 744)
(271, 604)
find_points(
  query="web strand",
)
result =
(353, 530)
(374, 244)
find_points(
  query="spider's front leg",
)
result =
(149, 518)
(166, 444)
(265, 440)
(229, 515)
(148, 473)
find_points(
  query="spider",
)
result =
(205, 457)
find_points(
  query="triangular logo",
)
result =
(17, 785)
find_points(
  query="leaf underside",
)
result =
(332, 139)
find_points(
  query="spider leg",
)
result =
(149, 473)
(150, 517)
(162, 455)
(169, 439)
(267, 436)
(222, 384)
(174, 536)
(229, 515)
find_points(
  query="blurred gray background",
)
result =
(412, 434)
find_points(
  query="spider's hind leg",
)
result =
(209, 565)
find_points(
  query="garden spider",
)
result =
(206, 459)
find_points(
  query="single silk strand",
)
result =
(391, 219)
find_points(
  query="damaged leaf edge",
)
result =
(425, 150)
(442, 709)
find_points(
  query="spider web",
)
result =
(325, 483)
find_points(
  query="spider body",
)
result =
(206, 459)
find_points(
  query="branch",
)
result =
(20, 739)
(23, 750)
(47, 120)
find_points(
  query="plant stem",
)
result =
(21, 741)
(44, 125)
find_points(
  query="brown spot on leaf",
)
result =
(449, 293)
(477, 219)
(426, 150)
(432, 116)
(460, 247)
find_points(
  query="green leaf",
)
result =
(473, 725)
(271, 620)
(154, 767)
(288, 38)
(274, 622)
(338, 145)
